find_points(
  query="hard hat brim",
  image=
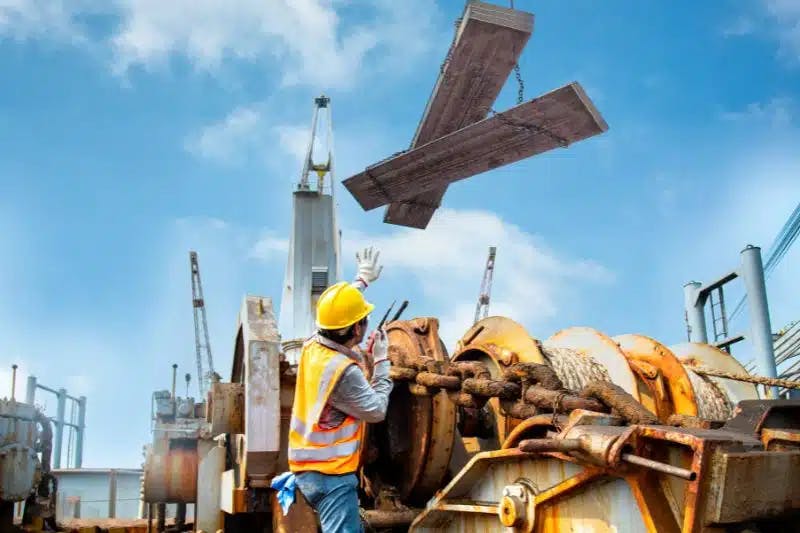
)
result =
(368, 308)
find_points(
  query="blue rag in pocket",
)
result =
(285, 484)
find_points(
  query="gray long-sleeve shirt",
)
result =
(353, 395)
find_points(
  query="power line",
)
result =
(781, 245)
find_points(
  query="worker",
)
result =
(333, 400)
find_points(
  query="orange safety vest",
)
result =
(311, 447)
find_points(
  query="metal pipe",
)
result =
(387, 519)
(13, 382)
(174, 377)
(30, 391)
(112, 493)
(48, 389)
(550, 445)
(161, 517)
(81, 432)
(758, 309)
(694, 302)
(59, 421)
(180, 515)
(660, 467)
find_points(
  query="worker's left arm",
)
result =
(368, 269)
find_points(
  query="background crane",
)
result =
(482, 309)
(201, 341)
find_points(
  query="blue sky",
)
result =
(132, 131)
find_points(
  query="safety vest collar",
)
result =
(335, 346)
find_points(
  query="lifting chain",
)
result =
(524, 390)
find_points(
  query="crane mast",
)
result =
(482, 308)
(314, 245)
(201, 342)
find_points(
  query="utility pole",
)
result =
(482, 309)
(201, 342)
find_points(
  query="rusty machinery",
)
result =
(172, 468)
(26, 444)
(581, 431)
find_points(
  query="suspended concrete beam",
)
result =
(556, 119)
(486, 47)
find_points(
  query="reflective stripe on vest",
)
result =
(324, 384)
(328, 437)
(324, 454)
(312, 447)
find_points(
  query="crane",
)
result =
(482, 309)
(201, 341)
(314, 245)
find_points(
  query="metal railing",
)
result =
(76, 424)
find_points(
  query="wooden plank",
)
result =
(553, 120)
(487, 45)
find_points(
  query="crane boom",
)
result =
(482, 308)
(201, 341)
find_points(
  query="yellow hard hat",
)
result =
(340, 306)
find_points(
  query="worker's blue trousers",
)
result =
(335, 500)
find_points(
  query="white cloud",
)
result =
(293, 140)
(531, 281)
(786, 14)
(269, 247)
(777, 112)
(228, 140)
(309, 39)
(323, 43)
(743, 25)
(25, 19)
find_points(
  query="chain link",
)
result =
(520, 85)
(524, 390)
(533, 128)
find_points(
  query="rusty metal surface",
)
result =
(780, 440)
(171, 477)
(662, 373)
(388, 519)
(562, 496)
(752, 416)
(615, 397)
(412, 447)
(663, 478)
(753, 485)
(534, 427)
(225, 408)
(497, 342)
(301, 517)
(507, 340)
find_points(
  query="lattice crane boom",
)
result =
(482, 309)
(201, 341)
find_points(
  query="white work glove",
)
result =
(380, 347)
(368, 268)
